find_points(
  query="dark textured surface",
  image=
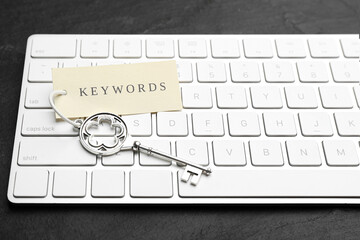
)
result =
(19, 19)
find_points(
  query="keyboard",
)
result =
(276, 118)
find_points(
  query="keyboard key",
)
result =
(108, 183)
(231, 97)
(211, 72)
(70, 183)
(160, 48)
(196, 97)
(266, 97)
(243, 124)
(258, 48)
(315, 124)
(335, 97)
(279, 124)
(245, 72)
(290, 48)
(31, 183)
(37, 95)
(53, 47)
(225, 48)
(229, 153)
(312, 72)
(127, 48)
(274, 183)
(94, 48)
(323, 48)
(341, 153)
(208, 124)
(348, 123)
(151, 160)
(172, 124)
(345, 71)
(43, 123)
(278, 72)
(184, 71)
(107, 63)
(51, 152)
(301, 97)
(192, 48)
(193, 150)
(122, 158)
(266, 153)
(154, 183)
(351, 47)
(139, 124)
(72, 64)
(40, 71)
(303, 153)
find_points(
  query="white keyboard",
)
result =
(276, 118)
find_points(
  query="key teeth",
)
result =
(195, 179)
(185, 176)
(192, 172)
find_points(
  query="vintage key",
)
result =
(111, 141)
(191, 170)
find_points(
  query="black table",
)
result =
(19, 19)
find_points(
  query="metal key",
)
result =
(105, 144)
(191, 169)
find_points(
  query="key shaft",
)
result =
(137, 146)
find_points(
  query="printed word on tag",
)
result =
(121, 89)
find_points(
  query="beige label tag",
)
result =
(119, 89)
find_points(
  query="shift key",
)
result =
(55, 151)
(43, 123)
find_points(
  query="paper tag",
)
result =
(119, 89)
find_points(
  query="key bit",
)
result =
(192, 170)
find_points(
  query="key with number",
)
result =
(191, 169)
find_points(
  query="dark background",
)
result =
(19, 19)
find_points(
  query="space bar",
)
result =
(275, 183)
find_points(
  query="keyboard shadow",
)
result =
(181, 208)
